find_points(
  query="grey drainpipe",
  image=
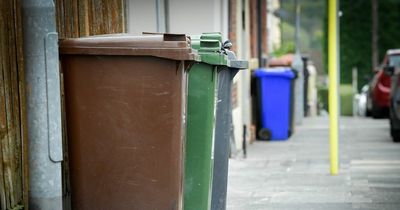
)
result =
(43, 104)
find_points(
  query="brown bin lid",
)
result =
(170, 46)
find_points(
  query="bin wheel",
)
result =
(264, 134)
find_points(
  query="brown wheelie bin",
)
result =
(125, 102)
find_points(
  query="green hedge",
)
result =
(346, 99)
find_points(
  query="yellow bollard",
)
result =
(333, 85)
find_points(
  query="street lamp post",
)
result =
(333, 55)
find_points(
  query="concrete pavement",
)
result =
(294, 174)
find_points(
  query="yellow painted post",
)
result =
(333, 85)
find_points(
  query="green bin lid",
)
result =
(209, 47)
(210, 50)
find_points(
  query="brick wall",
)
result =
(232, 23)
(264, 27)
(253, 29)
(254, 45)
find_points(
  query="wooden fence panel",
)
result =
(78, 18)
(13, 141)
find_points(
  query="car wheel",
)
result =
(368, 113)
(377, 112)
(369, 106)
(395, 133)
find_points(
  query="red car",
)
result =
(393, 69)
(379, 92)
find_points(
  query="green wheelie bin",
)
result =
(201, 112)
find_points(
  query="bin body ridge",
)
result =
(200, 139)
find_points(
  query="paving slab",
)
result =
(294, 174)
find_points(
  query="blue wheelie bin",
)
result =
(275, 94)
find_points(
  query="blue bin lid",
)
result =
(275, 72)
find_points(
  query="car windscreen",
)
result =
(394, 60)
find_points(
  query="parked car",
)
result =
(379, 90)
(392, 69)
